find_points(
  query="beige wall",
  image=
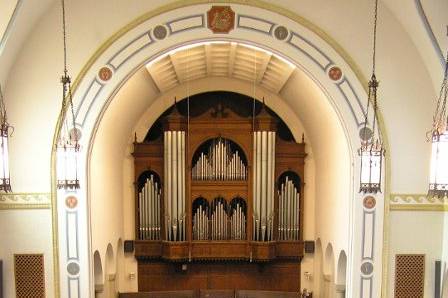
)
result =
(23, 232)
(416, 232)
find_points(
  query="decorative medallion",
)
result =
(366, 268)
(71, 202)
(335, 73)
(160, 32)
(365, 133)
(75, 134)
(73, 268)
(105, 74)
(369, 202)
(221, 19)
(281, 32)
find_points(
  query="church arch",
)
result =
(311, 54)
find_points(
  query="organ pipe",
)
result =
(289, 213)
(238, 224)
(149, 202)
(264, 165)
(220, 163)
(174, 149)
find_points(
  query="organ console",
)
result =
(221, 184)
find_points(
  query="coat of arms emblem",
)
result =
(221, 19)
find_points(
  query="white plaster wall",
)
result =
(445, 256)
(331, 156)
(106, 165)
(418, 232)
(22, 232)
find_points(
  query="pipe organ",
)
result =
(288, 210)
(149, 215)
(222, 186)
(219, 163)
(264, 164)
(174, 157)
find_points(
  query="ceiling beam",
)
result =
(263, 67)
(208, 58)
(232, 52)
(177, 68)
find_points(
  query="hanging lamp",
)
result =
(438, 179)
(372, 150)
(5, 132)
(68, 146)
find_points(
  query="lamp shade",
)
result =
(4, 160)
(67, 167)
(438, 179)
(371, 167)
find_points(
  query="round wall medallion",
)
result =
(71, 202)
(366, 268)
(369, 202)
(75, 134)
(365, 134)
(281, 32)
(160, 32)
(335, 73)
(73, 268)
(105, 74)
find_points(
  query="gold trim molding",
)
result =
(25, 201)
(417, 202)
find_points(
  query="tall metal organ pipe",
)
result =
(289, 212)
(149, 208)
(174, 159)
(264, 165)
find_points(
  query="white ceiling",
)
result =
(220, 59)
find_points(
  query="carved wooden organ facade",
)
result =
(220, 192)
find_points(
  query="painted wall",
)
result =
(22, 232)
(418, 232)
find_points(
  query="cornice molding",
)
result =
(25, 201)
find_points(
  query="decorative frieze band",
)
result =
(25, 201)
(417, 202)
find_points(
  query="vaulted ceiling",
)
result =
(220, 59)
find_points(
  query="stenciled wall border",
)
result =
(22, 200)
(417, 202)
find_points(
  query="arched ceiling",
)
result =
(220, 59)
(18, 19)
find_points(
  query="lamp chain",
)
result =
(2, 108)
(374, 36)
(64, 36)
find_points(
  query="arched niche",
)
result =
(341, 276)
(98, 272)
(329, 261)
(119, 269)
(110, 260)
(318, 269)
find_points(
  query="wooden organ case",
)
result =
(219, 199)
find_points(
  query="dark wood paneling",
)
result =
(274, 276)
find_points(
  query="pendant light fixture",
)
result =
(372, 150)
(68, 146)
(5, 132)
(438, 179)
